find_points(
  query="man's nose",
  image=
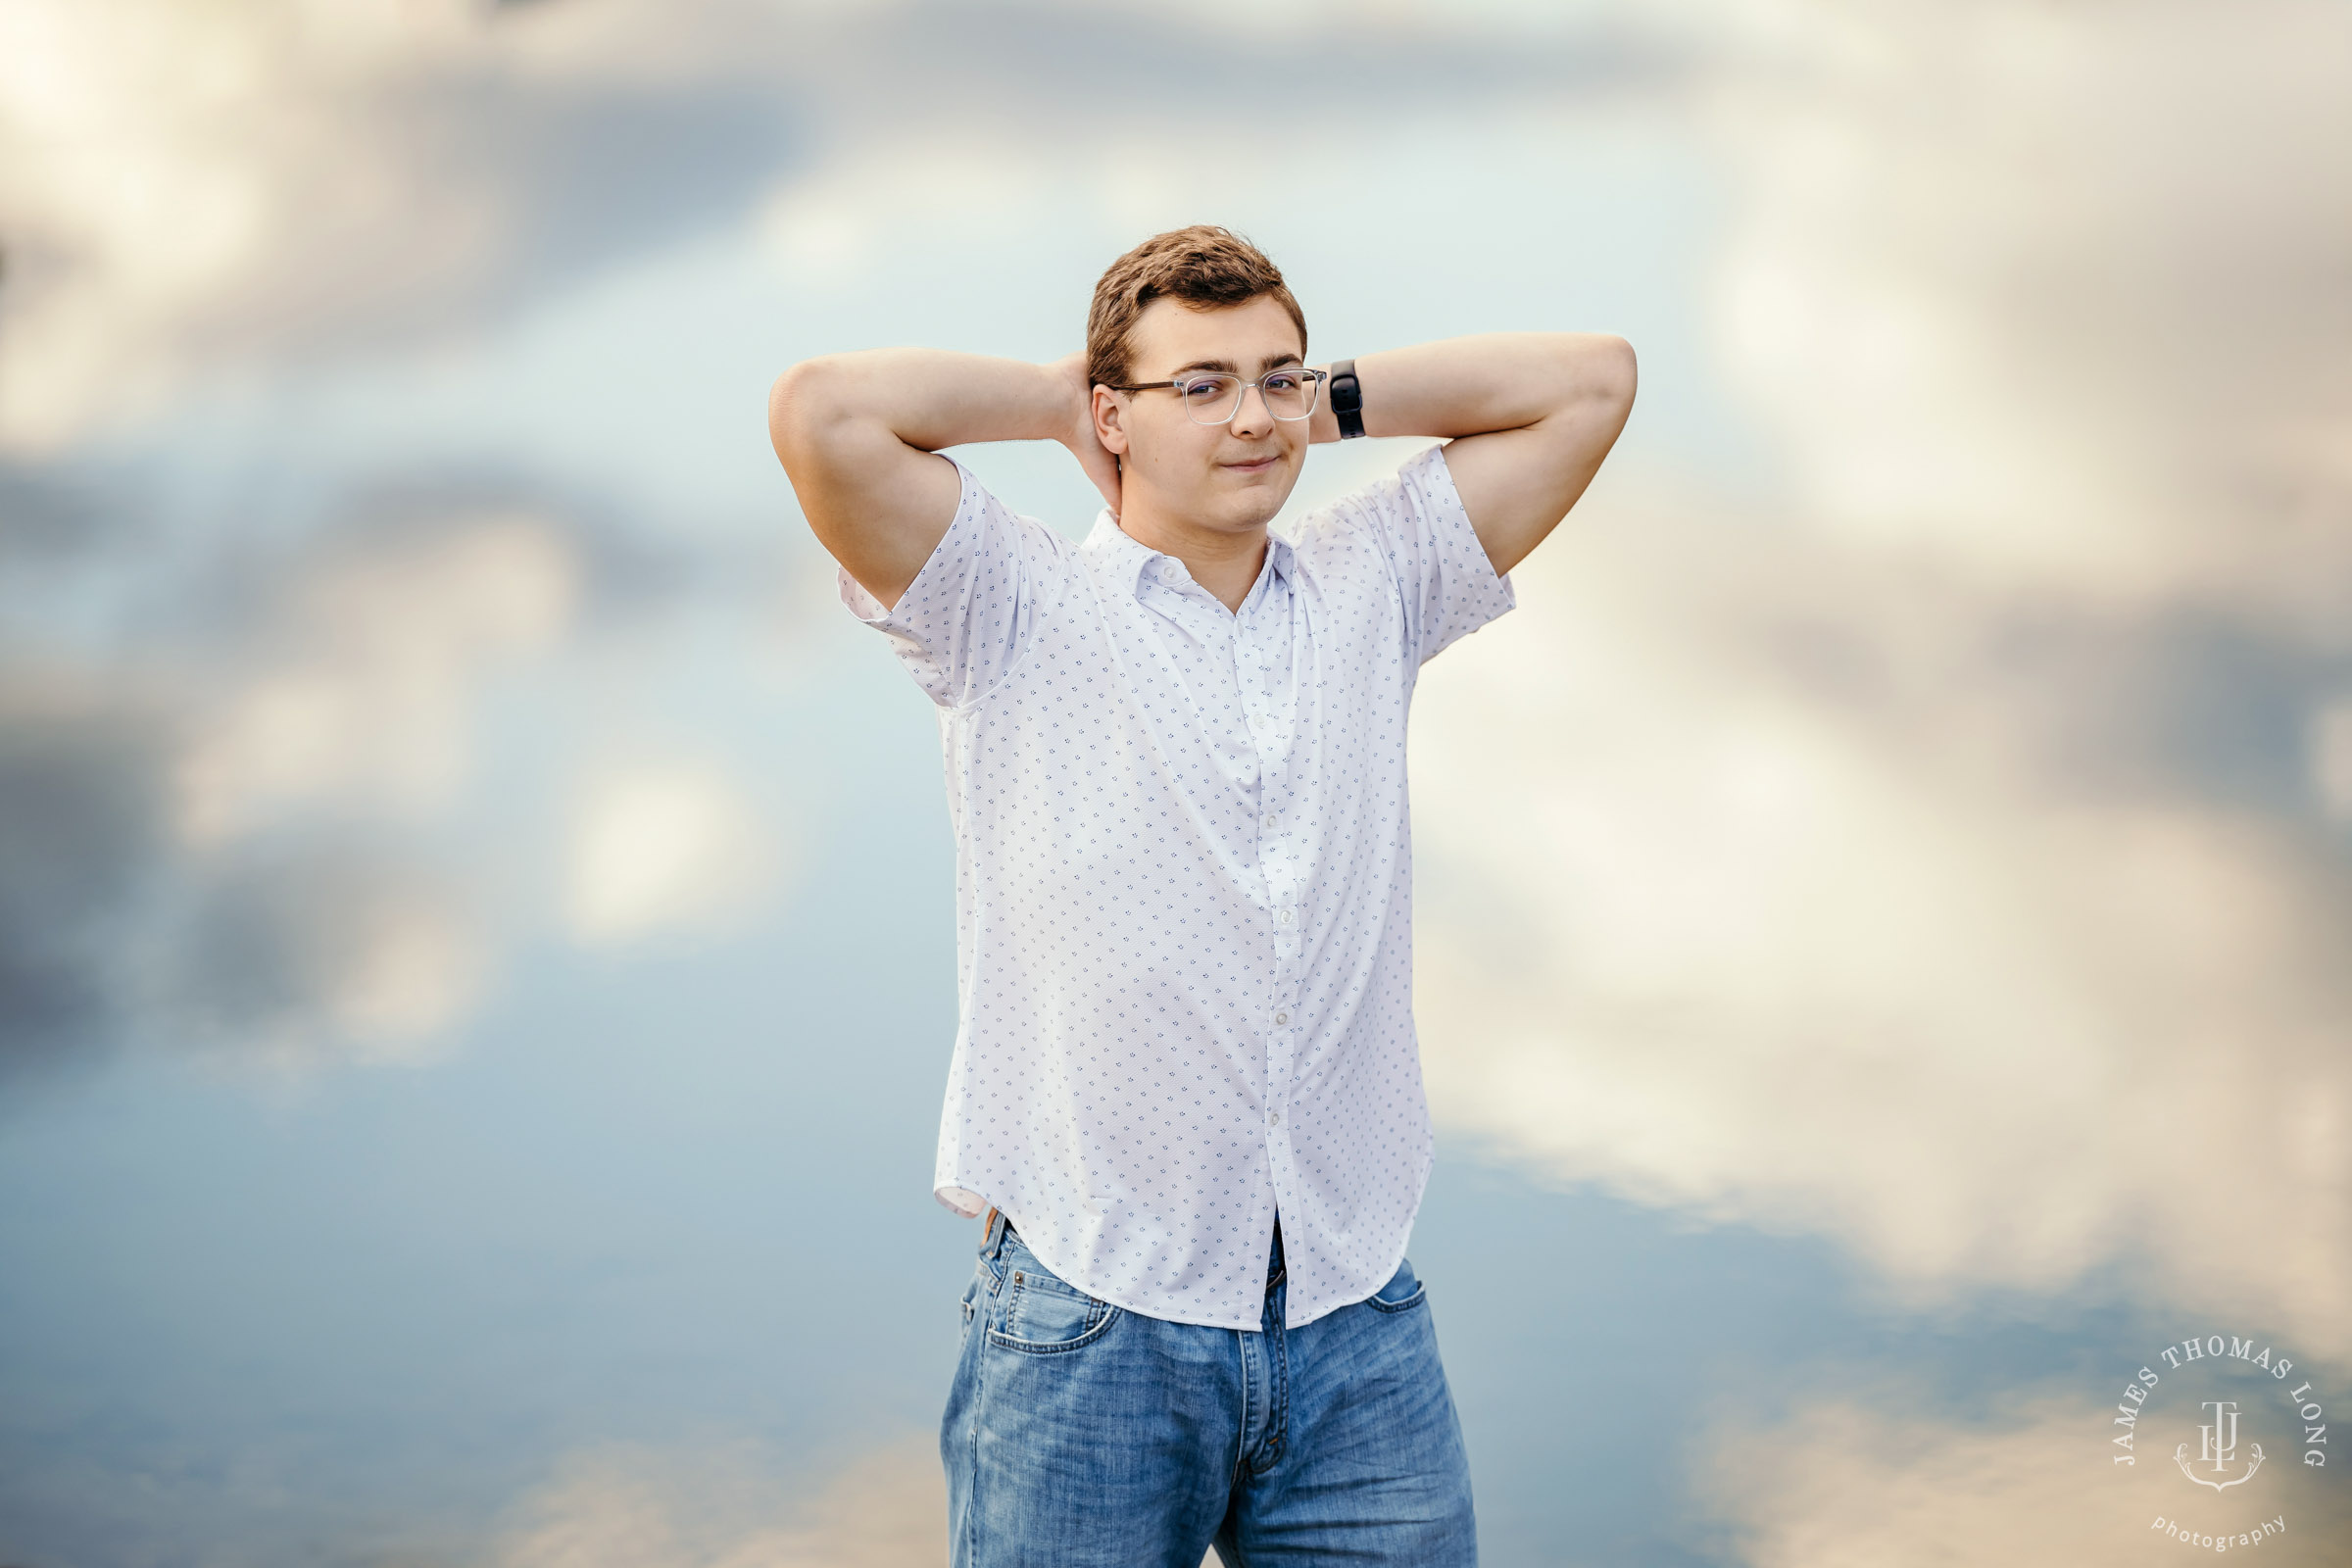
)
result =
(1242, 417)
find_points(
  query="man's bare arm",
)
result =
(857, 432)
(1531, 416)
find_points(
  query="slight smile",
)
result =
(1255, 465)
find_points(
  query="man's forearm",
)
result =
(1471, 385)
(934, 398)
(1529, 418)
(856, 433)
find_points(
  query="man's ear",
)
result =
(1108, 429)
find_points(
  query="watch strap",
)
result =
(1346, 399)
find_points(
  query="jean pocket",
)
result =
(1404, 1292)
(1038, 1314)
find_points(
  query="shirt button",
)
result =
(1257, 720)
(1282, 1018)
(1275, 1118)
(1285, 918)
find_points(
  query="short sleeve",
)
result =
(1448, 584)
(963, 622)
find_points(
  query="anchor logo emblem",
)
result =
(2220, 1447)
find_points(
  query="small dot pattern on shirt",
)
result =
(1184, 891)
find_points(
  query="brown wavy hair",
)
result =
(1203, 265)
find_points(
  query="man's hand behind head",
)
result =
(1102, 467)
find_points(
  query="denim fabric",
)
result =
(1078, 1433)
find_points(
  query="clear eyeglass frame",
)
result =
(1206, 404)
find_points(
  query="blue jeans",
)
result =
(1078, 1433)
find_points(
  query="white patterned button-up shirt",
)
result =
(1184, 891)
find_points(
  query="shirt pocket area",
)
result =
(1037, 1314)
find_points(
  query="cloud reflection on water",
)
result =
(1948, 857)
(1860, 1483)
(262, 806)
(729, 1508)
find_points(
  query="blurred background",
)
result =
(475, 913)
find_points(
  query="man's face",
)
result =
(1231, 477)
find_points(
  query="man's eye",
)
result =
(1202, 390)
(1281, 382)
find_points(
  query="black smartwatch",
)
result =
(1347, 399)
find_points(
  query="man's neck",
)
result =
(1223, 562)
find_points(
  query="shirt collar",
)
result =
(1125, 559)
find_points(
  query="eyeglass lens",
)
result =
(1216, 399)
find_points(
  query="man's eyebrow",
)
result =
(1227, 365)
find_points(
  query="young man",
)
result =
(1185, 1086)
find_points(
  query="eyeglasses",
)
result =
(1212, 397)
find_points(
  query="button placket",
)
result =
(1253, 650)
(1282, 891)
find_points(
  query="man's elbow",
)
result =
(1629, 371)
(1593, 375)
(1610, 371)
(801, 403)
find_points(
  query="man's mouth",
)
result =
(1257, 465)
